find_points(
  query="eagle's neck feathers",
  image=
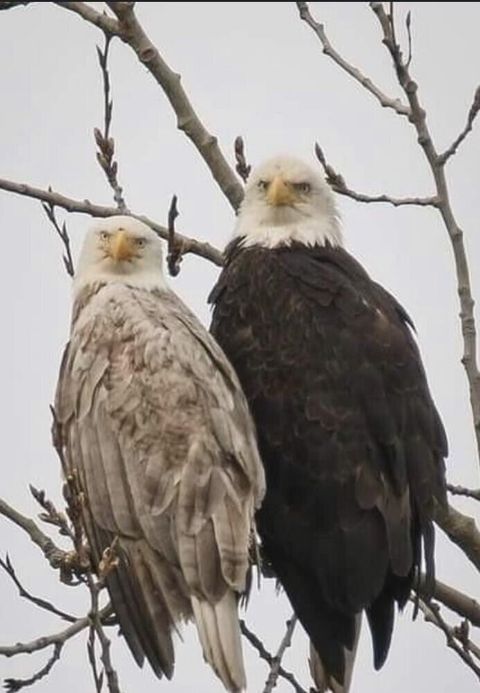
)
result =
(285, 228)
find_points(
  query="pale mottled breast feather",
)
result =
(156, 423)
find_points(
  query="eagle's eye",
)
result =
(262, 184)
(302, 187)
(104, 235)
(140, 242)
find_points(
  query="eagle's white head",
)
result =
(287, 201)
(121, 249)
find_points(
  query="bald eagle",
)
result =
(155, 425)
(351, 442)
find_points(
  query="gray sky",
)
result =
(252, 69)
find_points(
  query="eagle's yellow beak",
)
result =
(280, 193)
(121, 246)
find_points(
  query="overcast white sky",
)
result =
(252, 69)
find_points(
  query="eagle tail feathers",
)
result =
(218, 629)
(323, 679)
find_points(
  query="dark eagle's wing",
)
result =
(157, 428)
(351, 441)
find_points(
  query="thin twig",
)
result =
(264, 654)
(337, 182)
(131, 32)
(408, 24)
(329, 50)
(41, 603)
(418, 119)
(56, 638)
(463, 648)
(272, 679)
(242, 168)
(96, 620)
(97, 676)
(189, 245)
(51, 515)
(54, 555)
(463, 491)
(175, 250)
(12, 685)
(49, 209)
(106, 143)
(472, 114)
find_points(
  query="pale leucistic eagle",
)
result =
(351, 442)
(156, 426)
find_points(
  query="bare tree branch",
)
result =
(175, 250)
(353, 71)
(463, 605)
(12, 685)
(106, 143)
(41, 603)
(62, 232)
(268, 657)
(464, 648)
(57, 638)
(463, 491)
(96, 618)
(107, 24)
(337, 182)
(408, 25)
(131, 32)
(418, 119)
(272, 679)
(472, 114)
(461, 529)
(55, 556)
(189, 245)
(242, 168)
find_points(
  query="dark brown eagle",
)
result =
(352, 444)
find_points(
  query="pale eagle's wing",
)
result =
(155, 423)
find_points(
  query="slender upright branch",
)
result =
(106, 143)
(242, 167)
(418, 119)
(264, 654)
(358, 76)
(337, 183)
(189, 245)
(272, 679)
(175, 249)
(131, 32)
(472, 114)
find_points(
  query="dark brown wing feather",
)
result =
(349, 436)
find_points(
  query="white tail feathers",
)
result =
(325, 681)
(219, 632)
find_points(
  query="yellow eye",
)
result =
(104, 235)
(262, 184)
(140, 242)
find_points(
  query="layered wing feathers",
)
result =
(157, 427)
